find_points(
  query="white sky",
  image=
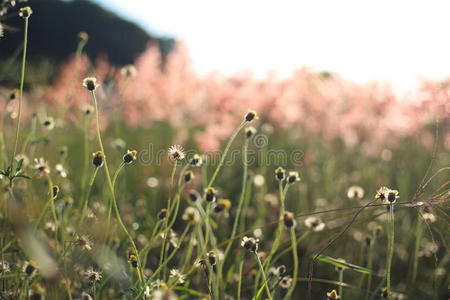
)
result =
(390, 40)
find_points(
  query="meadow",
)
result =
(150, 181)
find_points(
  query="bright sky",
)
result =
(390, 40)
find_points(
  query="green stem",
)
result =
(111, 188)
(86, 197)
(241, 267)
(391, 248)
(341, 280)
(370, 265)
(295, 256)
(264, 276)
(22, 80)
(416, 249)
(51, 200)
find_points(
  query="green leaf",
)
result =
(341, 264)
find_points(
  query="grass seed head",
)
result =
(280, 174)
(250, 243)
(90, 83)
(250, 116)
(250, 132)
(25, 12)
(130, 156)
(98, 159)
(196, 160)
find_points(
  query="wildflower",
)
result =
(90, 83)
(130, 156)
(55, 191)
(50, 226)
(250, 132)
(4, 267)
(98, 159)
(222, 205)
(289, 220)
(176, 152)
(429, 217)
(355, 192)
(25, 12)
(250, 116)
(387, 195)
(128, 71)
(286, 282)
(41, 166)
(152, 182)
(118, 144)
(191, 215)
(188, 176)
(175, 273)
(196, 160)
(83, 36)
(14, 94)
(314, 223)
(92, 276)
(333, 295)
(293, 177)
(162, 214)
(259, 180)
(210, 194)
(212, 257)
(29, 268)
(60, 170)
(87, 109)
(48, 123)
(280, 174)
(84, 242)
(250, 243)
(194, 195)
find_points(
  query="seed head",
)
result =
(41, 166)
(176, 152)
(251, 115)
(333, 295)
(162, 214)
(293, 177)
(83, 36)
(128, 71)
(90, 83)
(130, 156)
(188, 176)
(280, 174)
(92, 276)
(84, 242)
(14, 94)
(289, 220)
(286, 282)
(250, 243)
(55, 191)
(387, 195)
(355, 192)
(212, 257)
(48, 123)
(25, 12)
(210, 194)
(250, 132)
(29, 268)
(222, 205)
(196, 160)
(194, 195)
(191, 215)
(98, 159)
(132, 258)
(314, 223)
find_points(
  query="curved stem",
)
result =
(295, 256)
(264, 276)
(86, 197)
(111, 188)
(22, 80)
(391, 248)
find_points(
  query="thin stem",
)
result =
(391, 248)
(416, 249)
(341, 280)
(295, 256)
(86, 197)
(51, 200)
(225, 152)
(370, 265)
(111, 188)
(241, 267)
(264, 276)
(22, 80)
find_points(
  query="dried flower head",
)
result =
(191, 215)
(84, 242)
(83, 36)
(210, 194)
(280, 174)
(92, 275)
(289, 220)
(177, 275)
(212, 257)
(355, 192)
(193, 195)
(293, 177)
(176, 152)
(222, 205)
(196, 160)
(333, 295)
(41, 166)
(286, 282)
(250, 116)
(250, 243)
(55, 191)
(162, 214)
(60, 170)
(90, 83)
(132, 259)
(250, 132)
(29, 268)
(387, 195)
(98, 159)
(429, 217)
(314, 223)
(25, 12)
(130, 156)
(48, 123)
(128, 71)
(188, 176)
